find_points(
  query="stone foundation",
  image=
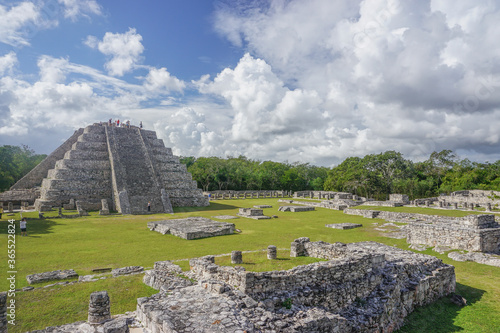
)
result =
(253, 213)
(295, 209)
(192, 227)
(51, 276)
(363, 287)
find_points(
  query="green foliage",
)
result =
(15, 162)
(241, 173)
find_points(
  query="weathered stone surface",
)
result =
(263, 206)
(50, 276)
(99, 307)
(166, 276)
(272, 252)
(253, 213)
(127, 270)
(295, 209)
(3, 312)
(481, 258)
(236, 257)
(128, 167)
(343, 226)
(225, 217)
(363, 287)
(192, 227)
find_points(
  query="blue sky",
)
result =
(310, 81)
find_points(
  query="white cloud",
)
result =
(159, 79)
(124, 50)
(75, 8)
(15, 20)
(367, 76)
(7, 62)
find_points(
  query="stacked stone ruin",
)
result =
(472, 233)
(471, 199)
(362, 287)
(127, 167)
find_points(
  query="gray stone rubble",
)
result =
(343, 226)
(363, 287)
(295, 209)
(127, 270)
(253, 213)
(51, 276)
(192, 227)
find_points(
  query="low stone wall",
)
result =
(50, 276)
(230, 194)
(192, 227)
(454, 236)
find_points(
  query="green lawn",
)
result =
(116, 241)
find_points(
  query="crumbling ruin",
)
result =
(130, 168)
(192, 227)
(363, 287)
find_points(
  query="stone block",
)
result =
(50, 276)
(344, 226)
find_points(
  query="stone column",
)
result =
(236, 257)
(258, 195)
(10, 207)
(455, 205)
(471, 206)
(3, 312)
(99, 307)
(72, 203)
(440, 204)
(105, 207)
(427, 203)
(271, 252)
(488, 207)
(60, 211)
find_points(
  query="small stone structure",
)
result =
(272, 252)
(335, 204)
(295, 209)
(166, 276)
(99, 307)
(192, 227)
(477, 198)
(363, 287)
(253, 213)
(127, 270)
(105, 208)
(236, 257)
(472, 233)
(3, 312)
(232, 194)
(50, 276)
(343, 226)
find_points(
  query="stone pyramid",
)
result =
(129, 167)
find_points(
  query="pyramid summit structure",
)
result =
(128, 166)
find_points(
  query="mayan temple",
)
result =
(128, 167)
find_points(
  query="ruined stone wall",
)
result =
(455, 236)
(34, 177)
(348, 279)
(478, 197)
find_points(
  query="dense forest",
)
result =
(374, 176)
(15, 162)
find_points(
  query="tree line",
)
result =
(15, 162)
(373, 176)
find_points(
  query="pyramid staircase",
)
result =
(130, 167)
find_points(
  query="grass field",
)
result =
(117, 241)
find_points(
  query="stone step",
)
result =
(102, 146)
(81, 194)
(161, 151)
(83, 174)
(82, 164)
(164, 158)
(171, 167)
(87, 155)
(180, 184)
(94, 129)
(92, 137)
(63, 184)
(176, 176)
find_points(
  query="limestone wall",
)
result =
(479, 197)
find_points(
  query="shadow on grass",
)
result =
(34, 228)
(439, 317)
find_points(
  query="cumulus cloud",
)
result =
(75, 8)
(339, 78)
(15, 19)
(159, 79)
(7, 62)
(124, 50)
